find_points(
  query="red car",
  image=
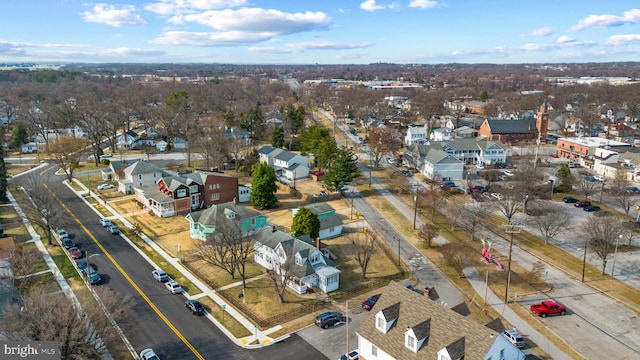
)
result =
(582, 203)
(368, 304)
(546, 308)
(75, 252)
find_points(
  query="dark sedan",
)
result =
(582, 203)
(195, 307)
(570, 200)
(591, 208)
(368, 304)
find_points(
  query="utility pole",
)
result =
(346, 315)
(512, 229)
(415, 209)
(584, 257)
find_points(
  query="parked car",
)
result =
(570, 200)
(370, 302)
(105, 187)
(148, 354)
(352, 355)
(573, 165)
(585, 173)
(508, 173)
(598, 178)
(549, 307)
(501, 165)
(479, 188)
(195, 307)
(407, 173)
(160, 275)
(113, 229)
(591, 208)
(514, 337)
(62, 234)
(633, 190)
(173, 287)
(105, 222)
(67, 243)
(75, 252)
(106, 155)
(590, 178)
(328, 318)
(582, 203)
(497, 196)
(447, 184)
(91, 275)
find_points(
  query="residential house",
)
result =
(472, 151)
(230, 218)
(407, 325)
(301, 262)
(161, 145)
(330, 222)
(475, 107)
(513, 132)
(291, 166)
(441, 134)
(268, 153)
(178, 194)
(416, 134)
(244, 193)
(433, 162)
(464, 132)
(140, 173)
(127, 140)
(29, 148)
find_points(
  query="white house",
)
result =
(297, 259)
(244, 193)
(161, 145)
(127, 140)
(416, 135)
(139, 174)
(268, 153)
(407, 325)
(433, 162)
(291, 166)
(441, 134)
(29, 148)
(330, 222)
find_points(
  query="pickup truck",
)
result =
(548, 308)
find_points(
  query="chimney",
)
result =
(273, 228)
(318, 243)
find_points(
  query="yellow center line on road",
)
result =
(126, 276)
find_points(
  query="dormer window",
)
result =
(381, 324)
(410, 342)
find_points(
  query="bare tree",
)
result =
(66, 152)
(365, 246)
(434, 199)
(587, 188)
(602, 234)
(280, 276)
(428, 105)
(383, 141)
(510, 204)
(620, 189)
(82, 334)
(473, 215)
(427, 233)
(458, 255)
(45, 212)
(551, 221)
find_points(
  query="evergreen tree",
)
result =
(263, 186)
(319, 141)
(3, 173)
(19, 135)
(305, 223)
(343, 168)
(277, 137)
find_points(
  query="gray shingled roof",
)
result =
(266, 149)
(329, 222)
(446, 328)
(319, 208)
(142, 167)
(285, 156)
(512, 126)
(213, 215)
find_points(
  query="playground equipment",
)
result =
(486, 254)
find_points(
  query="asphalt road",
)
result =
(157, 318)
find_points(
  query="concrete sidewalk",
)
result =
(260, 336)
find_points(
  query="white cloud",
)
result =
(228, 38)
(370, 5)
(538, 47)
(110, 15)
(256, 20)
(423, 4)
(564, 39)
(628, 17)
(310, 45)
(172, 7)
(619, 40)
(545, 31)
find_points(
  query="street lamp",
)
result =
(615, 254)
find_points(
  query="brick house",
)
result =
(513, 132)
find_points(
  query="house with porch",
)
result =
(140, 173)
(416, 135)
(291, 166)
(229, 218)
(407, 325)
(126, 140)
(298, 260)
(330, 222)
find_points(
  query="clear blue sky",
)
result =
(320, 31)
